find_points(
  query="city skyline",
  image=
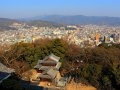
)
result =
(31, 8)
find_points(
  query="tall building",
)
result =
(97, 39)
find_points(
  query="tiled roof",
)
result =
(44, 67)
(54, 57)
(52, 73)
(5, 69)
(3, 75)
(58, 65)
(49, 72)
(45, 76)
(5, 72)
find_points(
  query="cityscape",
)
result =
(78, 35)
(59, 45)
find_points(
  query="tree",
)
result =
(11, 54)
(59, 47)
(106, 83)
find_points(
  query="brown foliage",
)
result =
(20, 67)
(9, 56)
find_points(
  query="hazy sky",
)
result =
(31, 8)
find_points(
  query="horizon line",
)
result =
(60, 15)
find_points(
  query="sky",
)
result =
(32, 8)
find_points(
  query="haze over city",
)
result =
(31, 8)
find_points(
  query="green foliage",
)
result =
(116, 72)
(106, 82)
(58, 48)
(32, 52)
(98, 66)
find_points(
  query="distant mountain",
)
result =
(79, 19)
(7, 20)
(5, 23)
(40, 23)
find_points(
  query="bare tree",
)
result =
(10, 54)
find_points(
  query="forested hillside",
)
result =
(99, 66)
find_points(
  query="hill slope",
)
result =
(5, 23)
(40, 23)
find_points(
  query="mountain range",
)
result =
(5, 23)
(78, 19)
(60, 20)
